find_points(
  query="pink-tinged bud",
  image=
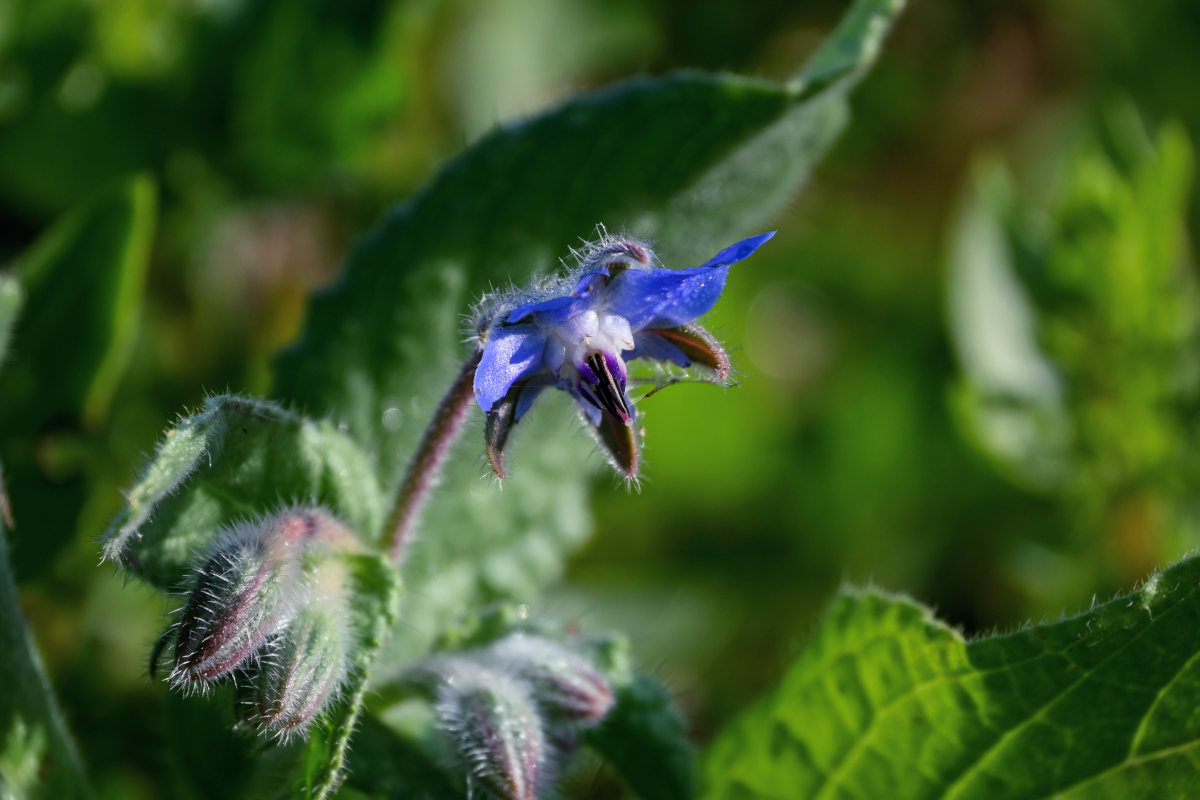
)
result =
(700, 346)
(495, 728)
(247, 590)
(299, 672)
(565, 683)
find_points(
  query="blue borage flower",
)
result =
(577, 333)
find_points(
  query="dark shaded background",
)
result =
(277, 131)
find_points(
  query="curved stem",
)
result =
(431, 454)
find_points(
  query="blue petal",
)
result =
(737, 252)
(525, 399)
(542, 307)
(509, 355)
(668, 298)
(665, 298)
(648, 344)
(592, 413)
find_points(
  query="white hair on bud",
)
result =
(495, 726)
(244, 591)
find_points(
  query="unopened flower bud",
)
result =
(565, 683)
(246, 591)
(495, 727)
(300, 671)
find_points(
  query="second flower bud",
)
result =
(269, 603)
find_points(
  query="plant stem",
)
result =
(431, 454)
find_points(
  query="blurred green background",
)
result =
(862, 441)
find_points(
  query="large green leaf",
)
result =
(83, 280)
(691, 160)
(885, 701)
(237, 458)
(37, 756)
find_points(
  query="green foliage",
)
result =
(85, 275)
(1073, 323)
(36, 751)
(237, 458)
(83, 280)
(37, 756)
(887, 701)
(645, 740)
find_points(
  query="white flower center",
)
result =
(570, 343)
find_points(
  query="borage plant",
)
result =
(285, 529)
(270, 518)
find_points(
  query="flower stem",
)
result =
(431, 454)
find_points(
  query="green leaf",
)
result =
(83, 280)
(1009, 400)
(691, 160)
(887, 702)
(37, 756)
(1076, 369)
(645, 740)
(239, 457)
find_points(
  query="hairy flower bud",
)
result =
(246, 591)
(495, 727)
(300, 671)
(565, 683)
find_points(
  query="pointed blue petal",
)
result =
(668, 298)
(511, 353)
(737, 252)
(665, 298)
(648, 344)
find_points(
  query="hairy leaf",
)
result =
(37, 756)
(239, 457)
(885, 701)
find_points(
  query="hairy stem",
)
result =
(431, 454)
